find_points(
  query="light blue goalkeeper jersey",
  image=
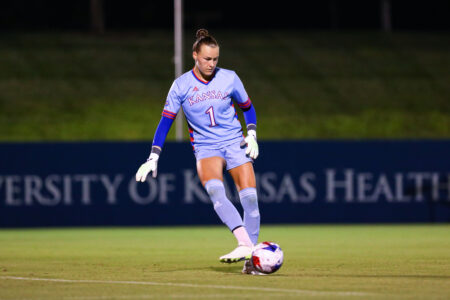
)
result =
(208, 106)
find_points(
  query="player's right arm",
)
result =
(169, 114)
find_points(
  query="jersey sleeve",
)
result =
(239, 94)
(169, 114)
(244, 102)
(173, 103)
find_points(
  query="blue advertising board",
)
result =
(90, 184)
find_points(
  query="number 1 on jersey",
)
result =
(210, 111)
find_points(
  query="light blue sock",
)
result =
(249, 201)
(223, 207)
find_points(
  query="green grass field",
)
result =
(321, 262)
(74, 86)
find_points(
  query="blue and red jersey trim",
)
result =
(169, 114)
(235, 112)
(203, 81)
(191, 136)
(246, 105)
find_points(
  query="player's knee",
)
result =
(249, 201)
(249, 195)
(252, 198)
(215, 188)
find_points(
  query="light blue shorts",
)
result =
(233, 154)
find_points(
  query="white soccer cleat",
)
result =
(238, 254)
(249, 269)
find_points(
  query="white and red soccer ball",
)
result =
(267, 257)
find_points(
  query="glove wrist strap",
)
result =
(251, 127)
(156, 151)
(251, 130)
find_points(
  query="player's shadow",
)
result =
(236, 270)
(183, 269)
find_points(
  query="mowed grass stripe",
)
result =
(381, 261)
(190, 285)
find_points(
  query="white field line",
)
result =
(191, 285)
(175, 296)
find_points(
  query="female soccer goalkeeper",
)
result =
(206, 94)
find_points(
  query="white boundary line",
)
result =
(181, 296)
(171, 296)
(191, 285)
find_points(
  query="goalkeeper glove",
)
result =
(252, 146)
(150, 166)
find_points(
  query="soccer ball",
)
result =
(267, 257)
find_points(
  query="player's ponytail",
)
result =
(203, 38)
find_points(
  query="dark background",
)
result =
(140, 14)
(277, 159)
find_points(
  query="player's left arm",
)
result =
(244, 102)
